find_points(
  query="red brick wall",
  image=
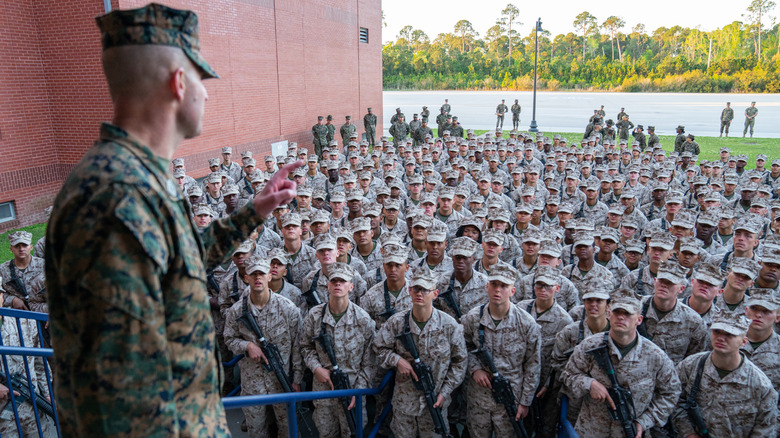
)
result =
(282, 63)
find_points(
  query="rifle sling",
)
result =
(331, 353)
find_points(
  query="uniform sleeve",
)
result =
(294, 324)
(233, 339)
(532, 365)
(561, 346)
(698, 338)
(766, 423)
(665, 396)
(458, 362)
(308, 349)
(576, 375)
(680, 416)
(368, 358)
(223, 236)
(384, 345)
(470, 323)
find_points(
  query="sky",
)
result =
(438, 16)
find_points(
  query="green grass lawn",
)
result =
(710, 147)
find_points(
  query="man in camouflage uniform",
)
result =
(501, 109)
(639, 365)
(19, 274)
(750, 119)
(446, 108)
(763, 346)
(314, 286)
(674, 327)
(549, 255)
(516, 115)
(463, 284)
(440, 344)
(390, 296)
(320, 132)
(735, 399)
(346, 131)
(369, 124)
(726, 116)
(125, 267)
(229, 167)
(515, 343)
(441, 120)
(399, 130)
(551, 318)
(586, 273)
(351, 333)
(301, 257)
(279, 322)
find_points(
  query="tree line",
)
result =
(743, 56)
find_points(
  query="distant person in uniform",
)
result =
(501, 109)
(320, 132)
(369, 123)
(125, 265)
(750, 119)
(446, 107)
(516, 115)
(726, 116)
(346, 131)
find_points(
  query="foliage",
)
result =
(739, 57)
(37, 230)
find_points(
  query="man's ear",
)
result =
(177, 84)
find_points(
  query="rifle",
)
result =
(449, 297)
(692, 407)
(624, 411)
(19, 284)
(339, 378)
(211, 281)
(275, 364)
(424, 381)
(19, 384)
(311, 296)
(502, 389)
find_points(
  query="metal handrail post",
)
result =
(292, 419)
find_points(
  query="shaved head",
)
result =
(141, 71)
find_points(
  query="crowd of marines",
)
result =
(533, 249)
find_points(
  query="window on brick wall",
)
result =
(7, 211)
(364, 35)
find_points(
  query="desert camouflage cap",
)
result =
(493, 235)
(245, 247)
(355, 195)
(662, 239)
(258, 264)
(672, 271)
(597, 291)
(437, 232)
(424, 279)
(635, 245)
(498, 215)
(684, 219)
(360, 224)
(503, 273)
(764, 297)
(178, 162)
(422, 220)
(691, 244)
(291, 219)
(625, 299)
(463, 246)
(532, 235)
(395, 253)
(607, 233)
(710, 273)
(548, 275)
(229, 189)
(214, 177)
(194, 190)
(323, 242)
(730, 322)
(179, 173)
(18, 237)
(320, 216)
(372, 209)
(583, 237)
(745, 266)
(771, 252)
(341, 271)
(750, 223)
(203, 209)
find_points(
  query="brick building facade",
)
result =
(282, 62)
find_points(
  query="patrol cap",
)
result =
(203, 209)
(291, 219)
(179, 173)
(532, 235)
(437, 232)
(340, 271)
(730, 322)
(213, 162)
(771, 254)
(258, 264)
(177, 162)
(230, 189)
(607, 233)
(748, 223)
(663, 240)
(583, 237)
(422, 220)
(372, 209)
(214, 177)
(550, 248)
(596, 291)
(324, 241)
(493, 235)
(355, 195)
(691, 244)
(424, 279)
(524, 207)
(447, 193)
(245, 247)
(498, 215)
(394, 253)
(626, 300)
(764, 297)
(635, 245)
(684, 219)
(155, 24)
(503, 273)
(463, 246)
(548, 275)
(710, 273)
(194, 190)
(672, 271)
(745, 266)
(360, 224)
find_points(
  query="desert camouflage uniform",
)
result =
(231, 289)
(551, 322)
(568, 297)
(515, 344)
(593, 279)
(268, 239)
(680, 333)
(645, 370)
(765, 357)
(16, 366)
(372, 261)
(302, 264)
(441, 346)
(741, 404)
(280, 323)
(33, 270)
(352, 336)
(444, 266)
(120, 220)
(596, 213)
(292, 293)
(468, 296)
(373, 302)
(631, 281)
(565, 341)
(617, 268)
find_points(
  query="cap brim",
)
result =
(601, 295)
(501, 278)
(625, 306)
(206, 71)
(763, 303)
(728, 328)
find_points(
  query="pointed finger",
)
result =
(285, 170)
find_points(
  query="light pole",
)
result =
(534, 127)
